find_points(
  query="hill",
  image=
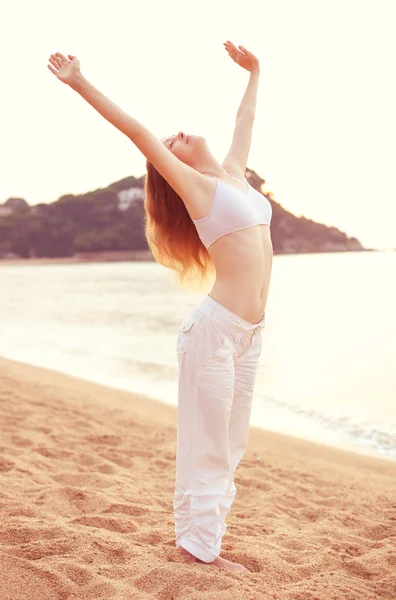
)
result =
(111, 219)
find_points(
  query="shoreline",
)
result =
(169, 411)
(88, 476)
(137, 255)
(365, 451)
(84, 257)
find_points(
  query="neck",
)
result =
(213, 170)
(208, 165)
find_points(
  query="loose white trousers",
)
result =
(218, 355)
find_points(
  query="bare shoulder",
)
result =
(233, 167)
(195, 189)
(198, 195)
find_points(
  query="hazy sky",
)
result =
(325, 131)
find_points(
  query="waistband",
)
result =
(209, 306)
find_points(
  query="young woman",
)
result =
(203, 218)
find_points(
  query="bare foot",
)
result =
(220, 562)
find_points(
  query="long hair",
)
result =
(171, 234)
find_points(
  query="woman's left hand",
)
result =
(243, 57)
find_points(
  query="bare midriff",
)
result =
(243, 262)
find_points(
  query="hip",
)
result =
(211, 331)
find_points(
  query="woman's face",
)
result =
(187, 148)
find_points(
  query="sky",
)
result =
(324, 136)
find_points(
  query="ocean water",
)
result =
(327, 369)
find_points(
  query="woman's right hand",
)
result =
(66, 69)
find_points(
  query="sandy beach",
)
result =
(87, 478)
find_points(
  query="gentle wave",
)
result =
(350, 431)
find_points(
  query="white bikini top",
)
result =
(233, 210)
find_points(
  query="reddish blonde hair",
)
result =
(171, 234)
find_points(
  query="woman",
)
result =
(204, 218)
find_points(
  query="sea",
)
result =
(327, 369)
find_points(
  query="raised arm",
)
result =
(180, 176)
(237, 156)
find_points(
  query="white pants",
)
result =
(218, 354)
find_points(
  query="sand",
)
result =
(87, 478)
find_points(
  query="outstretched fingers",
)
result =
(54, 61)
(61, 56)
(58, 60)
(236, 53)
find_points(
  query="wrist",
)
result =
(77, 82)
(255, 72)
